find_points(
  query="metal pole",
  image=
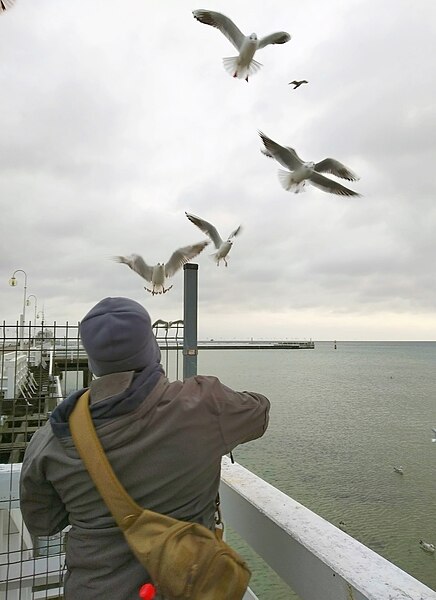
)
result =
(13, 282)
(190, 310)
(24, 301)
(35, 300)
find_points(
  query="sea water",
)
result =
(340, 420)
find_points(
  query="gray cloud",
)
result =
(115, 120)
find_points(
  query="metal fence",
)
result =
(38, 368)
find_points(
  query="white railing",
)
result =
(14, 373)
(58, 389)
(316, 559)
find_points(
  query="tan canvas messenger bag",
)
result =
(184, 560)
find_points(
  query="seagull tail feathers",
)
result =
(233, 68)
(216, 257)
(287, 182)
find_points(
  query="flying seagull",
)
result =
(5, 4)
(223, 247)
(297, 84)
(243, 65)
(294, 179)
(433, 439)
(158, 273)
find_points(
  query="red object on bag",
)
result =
(147, 591)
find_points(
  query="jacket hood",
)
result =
(110, 408)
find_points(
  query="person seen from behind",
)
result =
(164, 441)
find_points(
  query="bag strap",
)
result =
(118, 501)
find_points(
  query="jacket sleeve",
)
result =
(43, 511)
(243, 416)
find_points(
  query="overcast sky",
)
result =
(117, 117)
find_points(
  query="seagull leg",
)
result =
(235, 74)
(246, 79)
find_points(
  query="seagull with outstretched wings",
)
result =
(223, 246)
(243, 65)
(297, 84)
(298, 171)
(157, 274)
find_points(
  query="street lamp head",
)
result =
(29, 297)
(13, 281)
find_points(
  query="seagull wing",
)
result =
(182, 256)
(206, 228)
(223, 23)
(280, 37)
(235, 233)
(5, 4)
(330, 165)
(286, 156)
(137, 264)
(328, 185)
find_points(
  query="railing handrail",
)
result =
(315, 558)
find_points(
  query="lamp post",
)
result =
(40, 316)
(13, 283)
(36, 308)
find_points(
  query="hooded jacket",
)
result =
(164, 441)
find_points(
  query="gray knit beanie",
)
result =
(117, 336)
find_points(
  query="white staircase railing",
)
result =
(13, 374)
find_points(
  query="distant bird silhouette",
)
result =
(427, 547)
(297, 84)
(299, 171)
(223, 247)
(243, 65)
(433, 439)
(399, 470)
(158, 273)
(5, 4)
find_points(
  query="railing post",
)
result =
(190, 310)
